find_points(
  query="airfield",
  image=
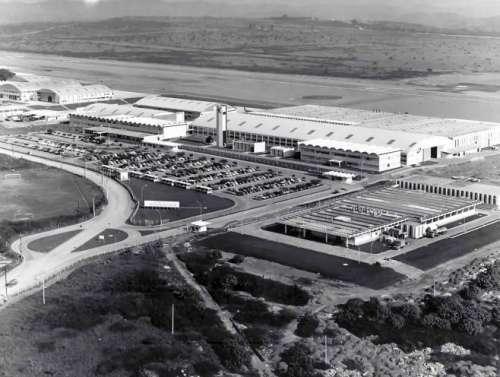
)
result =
(440, 95)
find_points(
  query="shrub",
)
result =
(471, 326)
(237, 259)
(306, 325)
(299, 361)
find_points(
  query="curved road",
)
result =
(114, 214)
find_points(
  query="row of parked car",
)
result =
(289, 190)
(273, 184)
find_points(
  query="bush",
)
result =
(206, 368)
(307, 325)
(432, 320)
(471, 326)
(237, 259)
(231, 351)
(299, 361)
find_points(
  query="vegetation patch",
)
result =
(113, 317)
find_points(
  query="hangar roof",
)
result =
(390, 121)
(20, 86)
(105, 109)
(81, 91)
(170, 103)
(301, 130)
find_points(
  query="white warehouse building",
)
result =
(68, 94)
(370, 158)
(323, 140)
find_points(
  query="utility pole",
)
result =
(5, 275)
(173, 324)
(326, 350)
(43, 290)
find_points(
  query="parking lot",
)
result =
(208, 174)
(185, 170)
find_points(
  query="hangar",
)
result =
(465, 136)
(323, 139)
(19, 91)
(68, 94)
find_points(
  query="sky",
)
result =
(404, 10)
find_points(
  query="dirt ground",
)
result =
(286, 46)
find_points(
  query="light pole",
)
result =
(159, 215)
(142, 192)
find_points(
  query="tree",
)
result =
(232, 353)
(299, 361)
(471, 326)
(228, 282)
(5, 74)
(306, 325)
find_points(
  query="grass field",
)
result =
(272, 45)
(486, 169)
(337, 268)
(40, 192)
(428, 257)
(46, 244)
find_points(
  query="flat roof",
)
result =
(302, 130)
(111, 109)
(391, 121)
(350, 147)
(118, 131)
(375, 208)
(462, 183)
(171, 103)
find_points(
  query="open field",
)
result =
(63, 193)
(274, 45)
(112, 317)
(441, 251)
(343, 269)
(486, 168)
(46, 244)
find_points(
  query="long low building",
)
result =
(69, 94)
(54, 91)
(191, 108)
(369, 158)
(363, 217)
(291, 132)
(459, 188)
(127, 117)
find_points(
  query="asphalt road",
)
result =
(36, 265)
(430, 256)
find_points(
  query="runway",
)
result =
(417, 96)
